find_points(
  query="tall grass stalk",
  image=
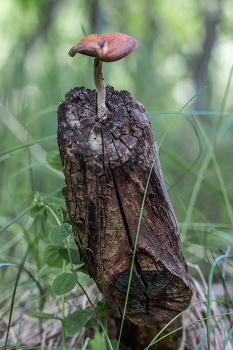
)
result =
(187, 325)
(223, 104)
(63, 271)
(218, 171)
(13, 296)
(209, 296)
(195, 192)
(205, 164)
(211, 329)
(24, 310)
(63, 312)
(180, 314)
(9, 152)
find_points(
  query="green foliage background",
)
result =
(183, 46)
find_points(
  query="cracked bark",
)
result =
(106, 164)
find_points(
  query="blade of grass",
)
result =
(13, 296)
(209, 225)
(224, 128)
(162, 114)
(203, 339)
(209, 297)
(187, 325)
(41, 113)
(141, 212)
(182, 164)
(29, 347)
(218, 171)
(206, 163)
(42, 293)
(195, 192)
(195, 160)
(183, 200)
(227, 339)
(85, 343)
(223, 104)
(22, 135)
(10, 151)
(30, 167)
(181, 313)
(24, 310)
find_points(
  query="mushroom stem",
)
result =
(99, 83)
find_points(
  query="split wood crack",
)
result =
(106, 163)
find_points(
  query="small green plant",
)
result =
(58, 255)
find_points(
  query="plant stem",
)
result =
(52, 212)
(72, 268)
(63, 313)
(67, 246)
(85, 294)
(99, 83)
(63, 270)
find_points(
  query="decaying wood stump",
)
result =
(106, 164)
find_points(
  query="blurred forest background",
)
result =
(184, 45)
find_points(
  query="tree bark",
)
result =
(201, 63)
(106, 163)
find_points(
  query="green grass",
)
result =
(195, 153)
(208, 149)
(195, 170)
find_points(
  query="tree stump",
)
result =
(106, 163)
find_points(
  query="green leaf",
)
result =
(224, 235)
(66, 217)
(75, 257)
(41, 234)
(84, 280)
(64, 283)
(59, 233)
(91, 324)
(224, 127)
(53, 158)
(85, 344)
(35, 210)
(42, 228)
(102, 306)
(51, 256)
(45, 214)
(77, 320)
(98, 342)
(45, 315)
(83, 269)
(38, 198)
(114, 343)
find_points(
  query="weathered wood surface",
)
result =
(106, 164)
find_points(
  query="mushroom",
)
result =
(105, 48)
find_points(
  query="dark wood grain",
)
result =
(106, 164)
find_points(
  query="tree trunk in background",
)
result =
(200, 70)
(96, 19)
(106, 163)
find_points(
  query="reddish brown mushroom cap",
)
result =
(106, 47)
